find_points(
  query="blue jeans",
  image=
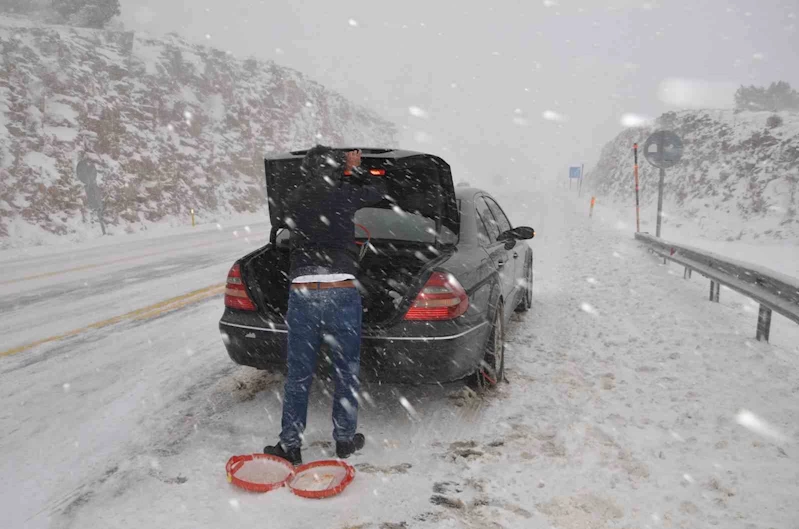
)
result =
(332, 316)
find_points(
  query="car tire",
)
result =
(527, 300)
(491, 370)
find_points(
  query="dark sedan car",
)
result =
(442, 271)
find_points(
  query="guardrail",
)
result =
(774, 291)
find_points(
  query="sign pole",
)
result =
(660, 200)
(580, 189)
(660, 186)
(637, 203)
(663, 149)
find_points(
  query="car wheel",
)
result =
(491, 370)
(527, 299)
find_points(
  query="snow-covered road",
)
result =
(625, 394)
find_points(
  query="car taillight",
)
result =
(442, 298)
(236, 296)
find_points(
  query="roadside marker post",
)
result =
(591, 211)
(637, 203)
(192, 218)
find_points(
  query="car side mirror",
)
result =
(517, 234)
(523, 233)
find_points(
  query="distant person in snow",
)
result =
(324, 303)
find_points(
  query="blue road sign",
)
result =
(575, 172)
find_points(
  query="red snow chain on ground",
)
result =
(332, 465)
(235, 464)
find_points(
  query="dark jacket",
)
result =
(321, 212)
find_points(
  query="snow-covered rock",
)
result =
(171, 126)
(738, 179)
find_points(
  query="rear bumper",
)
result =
(412, 352)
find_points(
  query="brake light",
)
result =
(373, 172)
(236, 296)
(442, 298)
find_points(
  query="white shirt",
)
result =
(324, 278)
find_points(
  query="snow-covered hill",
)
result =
(739, 177)
(170, 126)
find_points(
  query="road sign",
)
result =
(86, 172)
(575, 172)
(663, 149)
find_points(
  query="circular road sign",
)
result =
(663, 149)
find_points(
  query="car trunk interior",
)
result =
(389, 278)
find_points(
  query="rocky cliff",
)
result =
(170, 126)
(738, 179)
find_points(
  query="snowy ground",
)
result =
(622, 408)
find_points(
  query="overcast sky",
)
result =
(522, 88)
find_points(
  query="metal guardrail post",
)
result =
(715, 289)
(773, 291)
(763, 323)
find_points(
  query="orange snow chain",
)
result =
(275, 471)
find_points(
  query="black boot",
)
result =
(345, 449)
(293, 456)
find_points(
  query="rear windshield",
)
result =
(398, 225)
(392, 225)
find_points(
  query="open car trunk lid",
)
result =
(415, 182)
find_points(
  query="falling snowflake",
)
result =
(368, 398)
(418, 112)
(353, 23)
(234, 503)
(752, 422)
(551, 115)
(585, 307)
(187, 115)
(758, 56)
(66, 387)
(592, 280)
(409, 408)
(324, 220)
(399, 211)
(634, 120)
(347, 405)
